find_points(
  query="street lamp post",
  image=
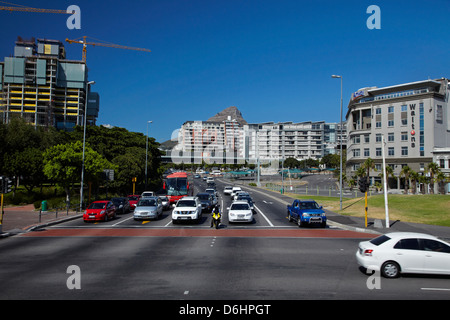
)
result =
(84, 141)
(340, 139)
(146, 154)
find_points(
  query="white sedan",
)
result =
(404, 252)
(240, 211)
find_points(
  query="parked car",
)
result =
(133, 199)
(206, 201)
(404, 252)
(100, 211)
(148, 208)
(187, 209)
(227, 190)
(240, 211)
(165, 202)
(306, 212)
(122, 204)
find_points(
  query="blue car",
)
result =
(306, 212)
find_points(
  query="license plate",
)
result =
(91, 217)
(240, 216)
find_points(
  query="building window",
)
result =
(377, 167)
(404, 136)
(356, 139)
(378, 138)
(378, 152)
(404, 121)
(391, 109)
(391, 137)
(356, 153)
(404, 151)
(439, 114)
(390, 123)
(366, 152)
(378, 111)
(404, 108)
(442, 163)
(391, 151)
(366, 138)
(378, 124)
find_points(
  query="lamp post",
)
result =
(340, 138)
(146, 154)
(84, 140)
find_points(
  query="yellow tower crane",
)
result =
(30, 9)
(102, 44)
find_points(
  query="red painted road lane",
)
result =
(166, 232)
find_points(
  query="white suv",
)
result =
(187, 209)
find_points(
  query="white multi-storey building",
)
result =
(413, 118)
(229, 142)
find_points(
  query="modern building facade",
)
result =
(231, 142)
(413, 118)
(39, 85)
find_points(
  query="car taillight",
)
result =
(368, 252)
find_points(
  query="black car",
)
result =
(246, 197)
(122, 204)
(206, 201)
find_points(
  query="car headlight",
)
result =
(305, 215)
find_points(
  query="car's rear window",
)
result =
(379, 240)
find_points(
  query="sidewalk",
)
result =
(23, 218)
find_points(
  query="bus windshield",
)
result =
(176, 186)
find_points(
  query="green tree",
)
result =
(406, 172)
(433, 169)
(63, 163)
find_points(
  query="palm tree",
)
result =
(414, 178)
(369, 164)
(433, 169)
(440, 179)
(406, 171)
(389, 172)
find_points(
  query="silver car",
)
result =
(148, 208)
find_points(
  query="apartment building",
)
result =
(413, 118)
(228, 141)
(39, 85)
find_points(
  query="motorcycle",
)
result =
(215, 221)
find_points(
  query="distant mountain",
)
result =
(232, 112)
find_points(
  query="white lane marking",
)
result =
(264, 216)
(115, 224)
(435, 289)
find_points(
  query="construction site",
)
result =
(39, 85)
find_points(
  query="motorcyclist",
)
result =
(215, 214)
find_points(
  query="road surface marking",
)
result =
(267, 219)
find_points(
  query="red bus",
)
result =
(177, 186)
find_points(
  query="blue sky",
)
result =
(273, 59)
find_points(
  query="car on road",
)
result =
(122, 204)
(187, 209)
(404, 252)
(234, 190)
(100, 211)
(212, 191)
(206, 200)
(306, 212)
(165, 202)
(227, 190)
(133, 199)
(246, 197)
(148, 208)
(148, 194)
(240, 211)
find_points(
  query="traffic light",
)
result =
(363, 184)
(6, 185)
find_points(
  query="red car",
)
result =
(133, 199)
(100, 211)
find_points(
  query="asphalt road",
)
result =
(159, 261)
